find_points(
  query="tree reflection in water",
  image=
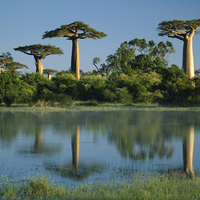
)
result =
(75, 171)
(188, 147)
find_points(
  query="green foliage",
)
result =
(123, 96)
(176, 85)
(7, 63)
(91, 87)
(72, 30)
(63, 99)
(40, 88)
(9, 87)
(178, 28)
(141, 186)
(65, 83)
(40, 51)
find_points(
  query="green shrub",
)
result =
(64, 99)
(123, 96)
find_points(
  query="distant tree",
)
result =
(6, 63)
(39, 52)
(13, 66)
(182, 30)
(5, 58)
(74, 31)
(49, 72)
(152, 49)
(126, 60)
(96, 60)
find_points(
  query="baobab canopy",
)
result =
(182, 30)
(74, 31)
(39, 52)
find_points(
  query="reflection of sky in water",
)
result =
(30, 153)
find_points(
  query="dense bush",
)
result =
(9, 87)
(166, 86)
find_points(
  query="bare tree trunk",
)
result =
(188, 60)
(75, 58)
(49, 76)
(188, 146)
(39, 65)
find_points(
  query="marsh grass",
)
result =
(93, 106)
(140, 187)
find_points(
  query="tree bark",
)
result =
(188, 146)
(188, 60)
(39, 65)
(49, 76)
(75, 58)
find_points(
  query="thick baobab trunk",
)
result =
(75, 148)
(49, 76)
(39, 65)
(188, 60)
(188, 146)
(75, 58)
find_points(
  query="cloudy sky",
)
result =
(23, 22)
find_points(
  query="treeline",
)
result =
(137, 72)
(165, 86)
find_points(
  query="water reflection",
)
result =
(188, 147)
(74, 170)
(77, 146)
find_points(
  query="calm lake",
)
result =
(95, 146)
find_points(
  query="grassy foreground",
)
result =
(141, 187)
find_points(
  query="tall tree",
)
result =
(182, 30)
(75, 31)
(39, 52)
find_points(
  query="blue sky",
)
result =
(23, 22)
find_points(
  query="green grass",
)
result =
(94, 106)
(140, 187)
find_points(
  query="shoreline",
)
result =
(79, 107)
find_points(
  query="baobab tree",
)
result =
(39, 52)
(50, 72)
(182, 30)
(75, 31)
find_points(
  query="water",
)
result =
(75, 148)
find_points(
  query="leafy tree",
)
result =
(119, 61)
(39, 52)
(9, 87)
(96, 60)
(13, 66)
(126, 60)
(41, 86)
(151, 55)
(175, 86)
(184, 31)
(65, 83)
(5, 59)
(7, 63)
(91, 87)
(49, 72)
(75, 31)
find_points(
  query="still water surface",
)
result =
(97, 146)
